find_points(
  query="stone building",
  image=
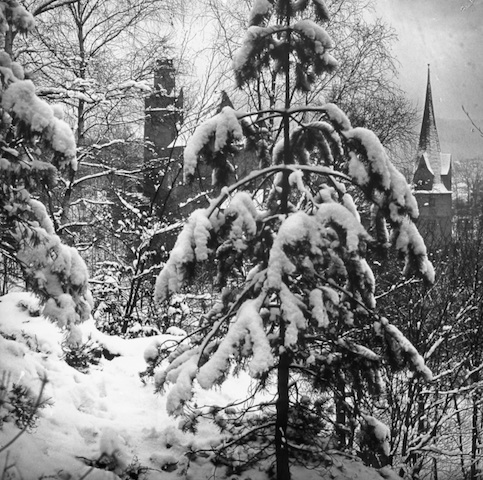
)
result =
(163, 155)
(432, 180)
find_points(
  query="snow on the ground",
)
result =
(108, 410)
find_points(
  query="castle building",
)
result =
(163, 153)
(432, 180)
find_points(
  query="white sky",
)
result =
(448, 34)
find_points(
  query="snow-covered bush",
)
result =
(82, 356)
(303, 320)
(19, 404)
(35, 146)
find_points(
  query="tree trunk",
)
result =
(460, 437)
(8, 42)
(340, 414)
(474, 440)
(282, 406)
(281, 446)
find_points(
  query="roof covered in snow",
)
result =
(445, 163)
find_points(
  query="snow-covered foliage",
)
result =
(303, 317)
(377, 435)
(100, 424)
(213, 139)
(190, 246)
(37, 117)
(36, 145)
(15, 17)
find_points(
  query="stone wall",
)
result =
(435, 217)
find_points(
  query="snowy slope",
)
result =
(107, 410)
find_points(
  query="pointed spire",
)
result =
(225, 101)
(428, 138)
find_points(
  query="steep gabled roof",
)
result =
(428, 138)
(424, 163)
(429, 145)
(445, 163)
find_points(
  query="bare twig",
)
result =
(475, 126)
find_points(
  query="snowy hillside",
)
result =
(106, 417)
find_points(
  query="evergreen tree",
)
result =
(297, 308)
(36, 144)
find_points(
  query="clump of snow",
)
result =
(337, 116)
(315, 32)
(62, 139)
(182, 378)
(261, 10)
(11, 13)
(111, 445)
(300, 227)
(334, 213)
(348, 202)
(321, 10)
(243, 57)
(161, 344)
(246, 327)
(296, 179)
(357, 170)
(244, 214)
(5, 60)
(401, 195)
(191, 245)
(394, 190)
(292, 310)
(216, 133)
(41, 216)
(409, 241)
(176, 331)
(57, 272)
(18, 70)
(380, 431)
(292, 231)
(376, 155)
(359, 350)
(20, 100)
(400, 345)
(21, 17)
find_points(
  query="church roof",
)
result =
(428, 138)
(445, 163)
(429, 157)
(424, 163)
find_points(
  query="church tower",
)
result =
(164, 115)
(432, 179)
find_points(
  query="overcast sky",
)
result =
(448, 34)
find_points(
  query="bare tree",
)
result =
(95, 59)
(468, 180)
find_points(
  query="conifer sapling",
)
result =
(298, 307)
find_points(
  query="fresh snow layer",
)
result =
(110, 411)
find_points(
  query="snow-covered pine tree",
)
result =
(35, 145)
(298, 307)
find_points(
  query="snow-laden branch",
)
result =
(51, 5)
(268, 171)
(111, 171)
(66, 226)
